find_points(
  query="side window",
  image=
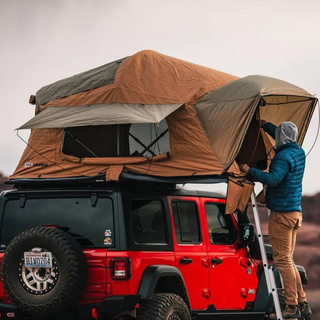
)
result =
(221, 228)
(148, 219)
(186, 222)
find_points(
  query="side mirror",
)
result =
(246, 233)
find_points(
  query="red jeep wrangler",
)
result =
(123, 251)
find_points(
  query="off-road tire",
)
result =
(71, 264)
(163, 306)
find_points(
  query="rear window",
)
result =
(91, 226)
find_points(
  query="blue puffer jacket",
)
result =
(284, 180)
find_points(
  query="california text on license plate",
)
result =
(38, 259)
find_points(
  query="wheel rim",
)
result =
(174, 316)
(38, 281)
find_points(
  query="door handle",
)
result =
(216, 260)
(185, 261)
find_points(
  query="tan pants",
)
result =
(283, 228)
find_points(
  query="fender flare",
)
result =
(153, 273)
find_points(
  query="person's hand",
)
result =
(244, 168)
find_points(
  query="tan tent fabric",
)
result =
(148, 78)
(151, 78)
(299, 113)
(207, 135)
(226, 113)
(102, 114)
(238, 194)
(190, 154)
(84, 81)
(189, 148)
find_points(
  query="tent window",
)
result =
(123, 140)
(97, 141)
(144, 135)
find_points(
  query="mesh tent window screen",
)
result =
(123, 140)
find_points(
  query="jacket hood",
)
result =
(287, 132)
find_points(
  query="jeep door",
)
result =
(190, 249)
(232, 275)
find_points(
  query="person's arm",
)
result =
(270, 129)
(280, 167)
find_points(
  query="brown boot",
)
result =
(306, 313)
(288, 312)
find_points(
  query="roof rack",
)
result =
(126, 178)
(43, 182)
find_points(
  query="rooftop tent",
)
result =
(157, 116)
(111, 119)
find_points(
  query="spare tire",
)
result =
(49, 290)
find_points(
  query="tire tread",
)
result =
(159, 305)
(76, 271)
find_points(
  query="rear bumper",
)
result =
(108, 309)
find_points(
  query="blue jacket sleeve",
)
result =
(280, 167)
(270, 129)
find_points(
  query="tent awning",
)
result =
(102, 114)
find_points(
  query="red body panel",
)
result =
(195, 274)
(140, 260)
(234, 282)
(98, 270)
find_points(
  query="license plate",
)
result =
(38, 259)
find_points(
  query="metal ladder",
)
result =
(271, 283)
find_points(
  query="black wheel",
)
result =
(49, 290)
(163, 306)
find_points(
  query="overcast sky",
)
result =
(45, 41)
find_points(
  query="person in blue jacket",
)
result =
(283, 198)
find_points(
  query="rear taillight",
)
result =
(120, 269)
(94, 313)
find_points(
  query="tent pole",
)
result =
(268, 270)
(153, 142)
(141, 144)
(75, 139)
